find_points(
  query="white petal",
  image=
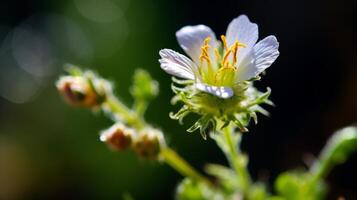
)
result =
(263, 55)
(221, 92)
(244, 31)
(191, 39)
(177, 64)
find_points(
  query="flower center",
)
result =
(219, 67)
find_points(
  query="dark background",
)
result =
(49, 150)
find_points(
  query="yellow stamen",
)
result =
(204, 58)
(217, 54)
(241, 44)
(225, 75)
(222, 72)
(206, 69)
(204, 51)
(225, 57)
(235, 49)
(237, 44)
(223, 38)
(207, 40)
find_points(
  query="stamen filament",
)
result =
(217, 54)
(205, 57)
(225, 57)
(224, 73)
(223, 38)
(235, 49)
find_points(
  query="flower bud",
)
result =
(82, 90)
(144, 87)
(149, 143)
(118, 137)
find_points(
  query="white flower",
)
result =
(218, 67)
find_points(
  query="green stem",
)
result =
(170, 156)
(236, 160)
(336, 151)
(117, 108)
(325, 162)
(182, 166)
(140, 107)
(320, 169)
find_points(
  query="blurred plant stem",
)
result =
(321, 167)
(236, 159)
(338, 148)
(120, 111)
(131, 131)
(180, 165)
(140, 107)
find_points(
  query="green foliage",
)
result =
(193, 190)
(144, 87)
(337, 150)
(299, 186)
(239, 109)
(258, 191)
(225, 176)
(226, 118)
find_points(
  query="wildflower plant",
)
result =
(220, 75)
(217, 84)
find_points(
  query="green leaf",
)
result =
(301, 185)
(297, 185)
(226, 176)
(193, 190)
(337, 150)
(144, 87)
(258, 191)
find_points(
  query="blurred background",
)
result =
(49, 150)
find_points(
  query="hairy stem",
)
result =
(140, 107)
(236, 159)
(182, 166)
(336, 151)
(119, 110)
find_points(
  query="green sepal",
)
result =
(176, 89)
(182, 82)
(239, 124)
(180, 115)
(201, 124)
